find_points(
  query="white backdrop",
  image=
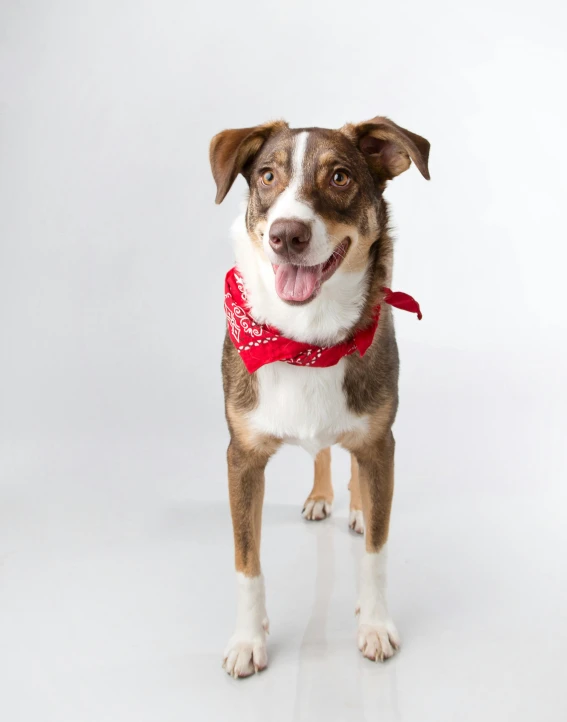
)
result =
(113, 255)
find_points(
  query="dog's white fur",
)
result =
(356, 521)
(325, 320)
(377, 635)
(289, 205)
(305, 406)
(316, 509)
(246, 650)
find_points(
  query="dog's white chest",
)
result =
(306, 406)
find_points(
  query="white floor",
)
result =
(117, 592)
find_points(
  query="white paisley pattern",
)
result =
(239, 320)
(312, 355)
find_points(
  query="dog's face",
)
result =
(315, 194)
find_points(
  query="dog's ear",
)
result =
(232, 151)
(388, 148)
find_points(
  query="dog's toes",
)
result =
(378, 642)
(316, 509)
(356, 521)
(244, 658)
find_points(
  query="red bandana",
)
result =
(259, 344)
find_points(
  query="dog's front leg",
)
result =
(246, 650)
(377, 635)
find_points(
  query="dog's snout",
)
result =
(289, 236)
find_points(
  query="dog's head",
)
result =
(315, 194)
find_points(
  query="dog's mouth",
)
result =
(300, 284)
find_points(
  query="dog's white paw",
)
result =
(356, 521)
(378, 641)
(246, 653)
(317, 509)
(243, 657)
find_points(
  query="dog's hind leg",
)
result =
(246, 650)
(355, 516)
(319, 503)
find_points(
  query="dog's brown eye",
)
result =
(340, 179)
(268, 178)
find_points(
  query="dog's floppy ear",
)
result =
(388, 148)
(233, 150)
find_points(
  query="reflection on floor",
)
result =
(117, 606)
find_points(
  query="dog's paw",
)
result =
(356, 521)
(316, 509)
(378, 641)
(245, 657)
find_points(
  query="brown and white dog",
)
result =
(314, 252)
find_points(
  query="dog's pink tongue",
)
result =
(296, 283)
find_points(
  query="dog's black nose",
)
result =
(289, 236)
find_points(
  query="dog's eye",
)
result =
(268, 178)
(340, 179)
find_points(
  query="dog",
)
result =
(310, 354)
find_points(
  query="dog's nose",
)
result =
(289, 236)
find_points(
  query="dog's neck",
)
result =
(337, 310)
